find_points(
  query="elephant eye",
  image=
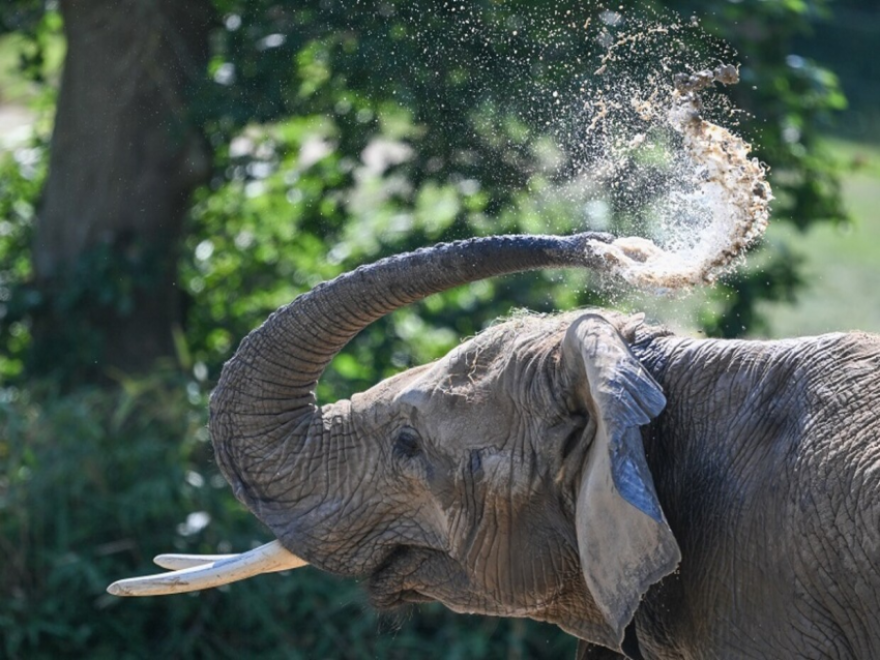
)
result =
(407, 444)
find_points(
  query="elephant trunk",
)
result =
(264, 412)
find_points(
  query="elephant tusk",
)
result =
(207, 571)
(176, 562)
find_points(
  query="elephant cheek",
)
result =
(522, 569)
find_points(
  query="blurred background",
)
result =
(172, 171)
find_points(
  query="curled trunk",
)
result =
(264, 411)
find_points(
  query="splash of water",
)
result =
(719, 207)
(639, 149)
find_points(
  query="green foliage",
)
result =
(298, 96)
(30, 45)
(773, 276)
(788, 100)
(264, 234)
(34, 40)
(96, 483)
(845, 41)
(338, 138)
(21, 177)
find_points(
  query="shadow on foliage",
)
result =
(95, 483)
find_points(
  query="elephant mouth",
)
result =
(400, 579)
(413, 575)
(408, 597)
(382, 599)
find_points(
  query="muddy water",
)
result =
(730, 192)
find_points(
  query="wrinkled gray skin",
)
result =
(653, 495)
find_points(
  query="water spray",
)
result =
(730, 188)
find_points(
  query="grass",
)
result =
(842, 264)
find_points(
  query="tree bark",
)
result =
(124, 161)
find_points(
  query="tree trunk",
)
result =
(124, 161)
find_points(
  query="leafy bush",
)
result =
(21, 177)
(297, 93)
(297, 211)
(93, 484)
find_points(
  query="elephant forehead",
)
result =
(496, 369)
(388, 390)
(462, 368)
(464, 376)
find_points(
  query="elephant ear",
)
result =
(624, 541)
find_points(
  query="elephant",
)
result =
(655, 495)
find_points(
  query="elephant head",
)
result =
(507, 478)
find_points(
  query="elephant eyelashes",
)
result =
(573, 440)
(407, 444)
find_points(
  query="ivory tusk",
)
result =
(219, 570)
(176, 562)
